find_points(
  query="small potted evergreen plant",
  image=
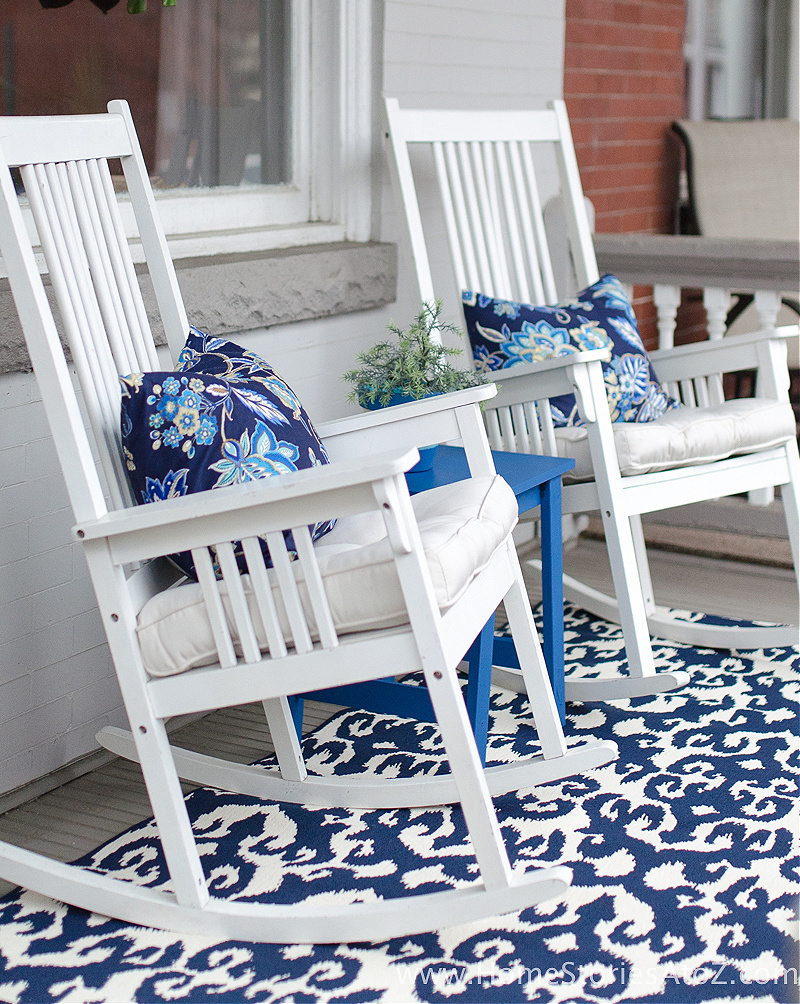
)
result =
(412, 365)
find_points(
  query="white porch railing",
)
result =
(716, 265)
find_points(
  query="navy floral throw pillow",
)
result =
(223, 417)
(504, 333)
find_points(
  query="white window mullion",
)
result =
(303, 84)
(324, 167)
(356, 117)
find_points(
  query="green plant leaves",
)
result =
(415, 363)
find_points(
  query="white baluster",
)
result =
(768, 303)
(667, 300)
(717, 303)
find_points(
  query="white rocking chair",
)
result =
(485, 167)
(272, 633)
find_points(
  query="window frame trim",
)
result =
(330, 197)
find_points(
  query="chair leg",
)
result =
(169, 809)
(630, 610)
(660, 621)
(533, 668)
(296, 704)
(286, 737)
(468, 774)
(628, 588)
(149, 736)
(790, 496)
(642, 564)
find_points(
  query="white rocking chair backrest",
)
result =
(490, 199)
(86, 251)
(489, 196)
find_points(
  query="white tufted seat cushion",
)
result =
(461, 526)
(686, 436)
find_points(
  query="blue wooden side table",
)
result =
(536, 481)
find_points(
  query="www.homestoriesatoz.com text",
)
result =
(597, 976)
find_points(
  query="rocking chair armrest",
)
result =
(404, 412)
(245, 510)
(724, 355)
(443, 418)
(549, 378)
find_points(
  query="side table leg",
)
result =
(553, 589)
(479, 681)
(296, 707)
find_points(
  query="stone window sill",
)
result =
(229, 293)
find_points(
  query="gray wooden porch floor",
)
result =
(78, 816)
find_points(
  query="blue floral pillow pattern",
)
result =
(224, 416)
(504, 333)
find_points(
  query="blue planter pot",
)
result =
(426, 453)
(396, 398)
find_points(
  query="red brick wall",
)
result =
(624, 85)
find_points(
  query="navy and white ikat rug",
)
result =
(683, 851)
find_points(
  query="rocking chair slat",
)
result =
(487, 216)
(512, 218)
(204, 568)
(522, 200)
(493, 429)
(265, 601)
(532, 410)
(547, 427)
(688, 399)
(701, 393)
(289, 593)
(520, 428)
(75, 263)
(89, 328)
(124, 269)
(317, 598)
(472, 221)
(450, 216)
(507, 427)
(540, 249)
(44, 194)
(239, 609)
(460, 215)
(716, 393)
(99, 258)
(500, 261)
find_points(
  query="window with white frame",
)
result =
(255, 116)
